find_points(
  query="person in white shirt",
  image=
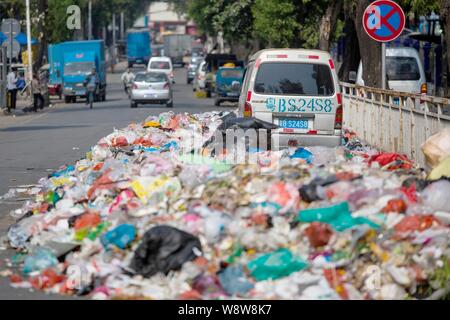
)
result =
(127, 79)
(12, 89)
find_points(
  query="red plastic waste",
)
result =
(395, 205)
(47, 279)
(415, 223)
(396, 161)
(87, 220)
(118, 142)
(410, 193)
(318, 234)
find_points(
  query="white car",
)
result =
(298, 91)
(200, 77)
(151, 88)
(162, 64)
(404, 70)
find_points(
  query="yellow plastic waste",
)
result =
(152, 124)
(442, 170)
(150, 188)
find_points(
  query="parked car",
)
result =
(297, 90)
(404, 71)
(228, 84)
(200, 77)
(162, 64)
(192, 68)
(151, 88)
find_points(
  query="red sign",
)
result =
(384, 20)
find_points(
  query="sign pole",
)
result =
(383, 65)
(11, 42)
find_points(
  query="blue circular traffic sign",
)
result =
(384, 20)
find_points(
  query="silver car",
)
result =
(151, 88)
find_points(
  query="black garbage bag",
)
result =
(308, 192)
(233, 122)
(163, 249)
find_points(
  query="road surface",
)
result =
(34, 145)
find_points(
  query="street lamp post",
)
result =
(30, 58)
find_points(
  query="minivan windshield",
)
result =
(402, 69)
(152, 77)
(163, 65)
(294, 79)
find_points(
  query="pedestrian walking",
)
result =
(91, 83)
(38, 99)
(12, 89)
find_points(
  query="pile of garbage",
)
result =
(146, 216)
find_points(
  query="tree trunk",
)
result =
(352, 57)
(328, 24)
(445, 15)
(370, 50)
(42, 30)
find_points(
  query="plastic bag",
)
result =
(163, 249)
(42, 259)
(338, 216)
(121, 236)
(437, 148)
(234, 282)
(441, 171)
(275, 265)
(437, 196)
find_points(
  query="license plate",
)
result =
(233, 94)
(139, 61)
(294, 124)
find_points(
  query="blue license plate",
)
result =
(233, 94)
(294, 124)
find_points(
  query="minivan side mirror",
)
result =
(352, 76)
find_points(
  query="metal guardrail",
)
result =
(394, 121)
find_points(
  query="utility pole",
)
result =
(30, 58)
(122, 26)
(90, 21)
(114, 30)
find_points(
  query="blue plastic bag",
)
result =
(120, 237)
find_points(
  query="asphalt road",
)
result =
(33, 145)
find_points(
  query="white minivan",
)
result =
(297, 90)
(404, 71)
(162, 64)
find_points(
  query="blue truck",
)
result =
(139, 49)
(71, 62)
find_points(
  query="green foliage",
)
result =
(420, 6)
(275, 21)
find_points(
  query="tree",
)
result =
(275, 22)
(328, 23)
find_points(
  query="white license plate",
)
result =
(294, 124)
